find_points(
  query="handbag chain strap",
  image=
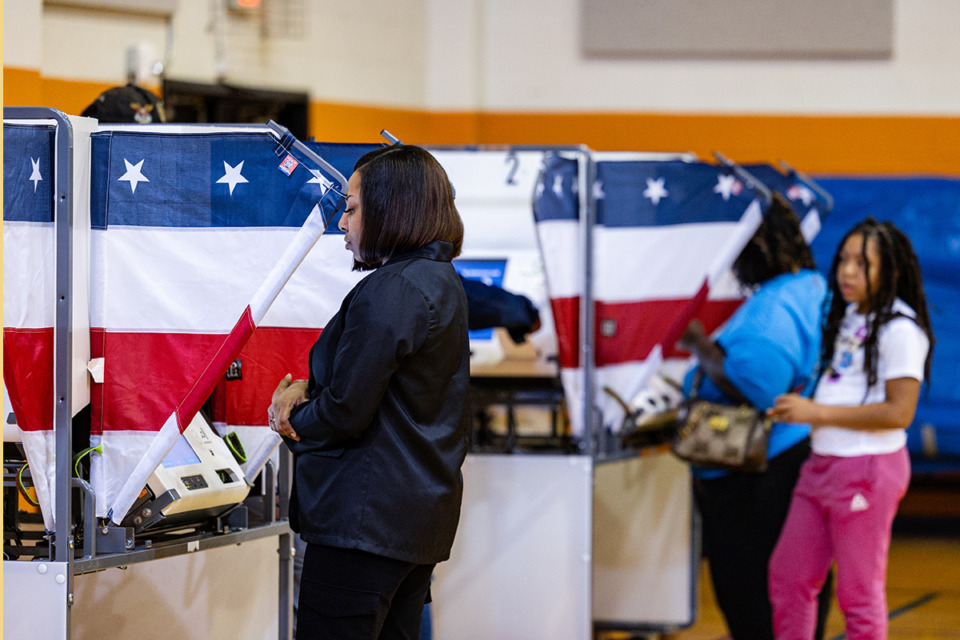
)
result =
(697, 379)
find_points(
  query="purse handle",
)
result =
(697, 379)
(805, 389)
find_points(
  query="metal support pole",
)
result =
(587, 178)
(89, 518)
(63, 329)
(286, 548)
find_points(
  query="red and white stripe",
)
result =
(173, 308)
(29, 315)
(648, 283)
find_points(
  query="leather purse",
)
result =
(720, 436)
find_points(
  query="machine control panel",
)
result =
(194, 482)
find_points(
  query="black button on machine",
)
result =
(194, 482)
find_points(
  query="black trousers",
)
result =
(742, 515)
(347, 594)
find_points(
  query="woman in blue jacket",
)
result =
(379, 431)
(768, 347)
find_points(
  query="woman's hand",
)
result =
(791, 407)
(288, 394)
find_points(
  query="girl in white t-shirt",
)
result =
(876, 349)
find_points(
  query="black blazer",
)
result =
(386, 430)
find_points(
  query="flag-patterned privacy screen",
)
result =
(196, 232)
(665, 235)
(194, 235)
(29, 296)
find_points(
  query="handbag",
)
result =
(720, 436)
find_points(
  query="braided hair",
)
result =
(899, 277)
(776, 247)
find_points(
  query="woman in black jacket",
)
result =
(380, 430)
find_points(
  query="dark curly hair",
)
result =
(899, 277)
(776, 247)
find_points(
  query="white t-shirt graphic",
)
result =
(902, 352)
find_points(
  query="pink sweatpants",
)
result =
(842, 510)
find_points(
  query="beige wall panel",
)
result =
(533, 62)
(453, 54)
(92, 45)
(774, 29)
(490, 56)
(362, 51)
(21, 33)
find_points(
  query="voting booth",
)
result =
(204, 261)
(562, 542)
(135, 273)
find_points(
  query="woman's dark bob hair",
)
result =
(407, 202)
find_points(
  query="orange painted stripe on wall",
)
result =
(815, 144)
(71, 97)
(27, 88)
(850, 145)
(357, 123)
(21, 88)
